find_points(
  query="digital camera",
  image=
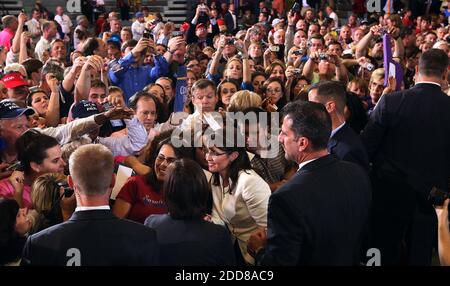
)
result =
(147, 34)
(298, 52)
(68, 191)
(230, 41)
(275, 48)
(323, 57)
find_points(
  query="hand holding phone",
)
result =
(274, 48)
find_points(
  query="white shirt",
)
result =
(42, 46)
(71, 131)
(429, 82)
(234, 21)
(302, 164)
(138, 30)
(305, 3)
(244, 209)
(34, 27)
(129, 144)
(80, 209)
(337, 129)
(65, 23)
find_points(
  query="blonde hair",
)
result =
(377, 74)
(15, 67)
(243, 99)
(92, 167)
(44, 191)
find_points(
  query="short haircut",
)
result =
(98, 83)
(433, 62)
(317, 37)
(47, 25)
(333, 90)
(186, 190)
(91, 167)
(32, 65)
(310, 120)
(8, 20)
(128, 44)
(334, 42)
(89, 46)
(127, 29)
(54, 67)
(113, 89)
(204, 84)
(133, 101)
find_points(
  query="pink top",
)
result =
(7, 191)
(5, 38)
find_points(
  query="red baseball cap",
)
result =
(201, 25)
(14, 79)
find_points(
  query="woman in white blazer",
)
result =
(240, 195)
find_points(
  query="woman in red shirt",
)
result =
(141, 196)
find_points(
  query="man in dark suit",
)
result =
(93, 235)
(344, 142)
(408, 142)
(318, 217)
(231, 19)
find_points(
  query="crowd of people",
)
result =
(346, 134)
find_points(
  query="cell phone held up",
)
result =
(147, 34)
(274, 48)
(15, 167)
(296, 8)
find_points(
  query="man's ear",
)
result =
(70, 181)
(303, 143)
(444, 76)
(35, 167)
(330, 106)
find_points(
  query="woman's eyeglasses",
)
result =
(213, 153)
(161, 158)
